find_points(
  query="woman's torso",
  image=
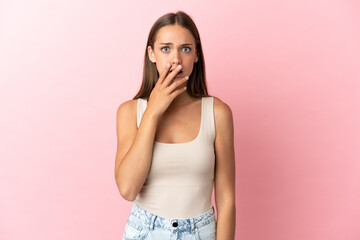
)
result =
(180, 180)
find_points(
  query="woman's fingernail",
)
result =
(179, 67)
(186, 77)
(168, 65)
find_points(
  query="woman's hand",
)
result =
(163, 93)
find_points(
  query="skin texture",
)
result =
(181, 123)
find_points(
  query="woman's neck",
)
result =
(182, 99)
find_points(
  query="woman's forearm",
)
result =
(225, 229)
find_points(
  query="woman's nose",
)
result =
(176, 59)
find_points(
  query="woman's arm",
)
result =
(224, 171)
(134, 148)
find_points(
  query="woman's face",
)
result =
(174, 44)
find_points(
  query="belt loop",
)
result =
(192, 225)
(152, 222)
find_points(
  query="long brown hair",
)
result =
(196, 85)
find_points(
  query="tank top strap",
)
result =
(208, 117)
(141, 106)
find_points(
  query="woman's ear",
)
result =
(151, 54)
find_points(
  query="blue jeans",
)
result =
(143, 224)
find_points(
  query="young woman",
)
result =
(174, 141)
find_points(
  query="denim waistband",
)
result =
(151, 220)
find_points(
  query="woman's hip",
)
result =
(143, 224)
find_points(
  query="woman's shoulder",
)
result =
(222, 112)
(127, 109)
(128, 105)
(220, 106)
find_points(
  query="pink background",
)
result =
(289, 70)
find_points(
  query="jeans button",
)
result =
(175, 224)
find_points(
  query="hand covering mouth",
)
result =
(178, 72)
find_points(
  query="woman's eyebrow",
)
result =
(169, 43)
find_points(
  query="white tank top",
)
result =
(180, 180)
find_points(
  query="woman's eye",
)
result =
(188, 48)
(163, 48)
